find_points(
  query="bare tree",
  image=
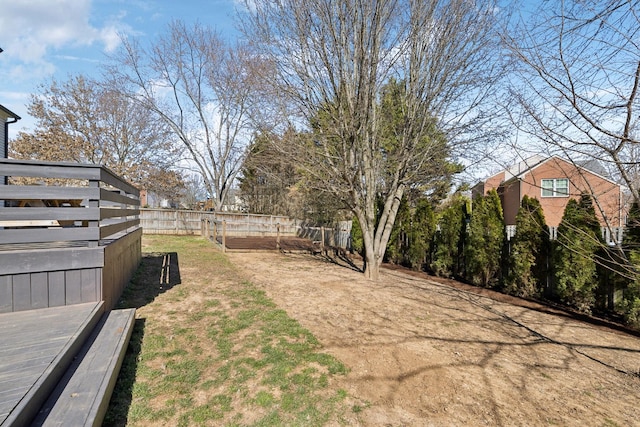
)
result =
(576, 82)
(84, 120)
(201, 88)
(332, 62)
(194, 191)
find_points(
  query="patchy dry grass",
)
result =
(209, 348)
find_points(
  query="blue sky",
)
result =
(44, 39)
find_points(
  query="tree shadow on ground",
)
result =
(339, 256)
(156, 274)
(539, 305)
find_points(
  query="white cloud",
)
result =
(29, 29)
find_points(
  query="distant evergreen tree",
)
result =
(412, 234)
(423, 228)
(575, 250)
(446, 258)
(630, 305)
(631, 238)
(357, 245)
(529, 251)
(485, 241)
(398, 246)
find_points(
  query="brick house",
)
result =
(553, 181)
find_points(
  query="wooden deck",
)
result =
(37, 348)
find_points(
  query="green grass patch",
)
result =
(212, 348)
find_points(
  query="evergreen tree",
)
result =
(412, 234)
(575, 270)
(527, 262)
(446, 260)
(631, 239)
(423, 227)
(630, 305)
(398, 246)
(485, 241)
(357, 245)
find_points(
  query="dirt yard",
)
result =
(423, 352)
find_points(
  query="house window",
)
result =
(558, 187)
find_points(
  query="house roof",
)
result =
(591, 166)
(519, 170)
(8, 113)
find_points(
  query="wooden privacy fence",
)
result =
(69, 233)
(168, 221)
(611, 235)
(219, 224)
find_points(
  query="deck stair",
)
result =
(62, 364)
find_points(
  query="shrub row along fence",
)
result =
(165, 221)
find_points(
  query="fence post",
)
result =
(224, 235)
(322, 239)
(332, 237)
(278, 236)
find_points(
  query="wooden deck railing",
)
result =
(88, 206)
(69, 233)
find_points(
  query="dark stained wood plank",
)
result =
(108, 230)
(88, 285)
(6, 294)
(57, 295)
(38, 235)
(39, 290)
(46, 340)
(73, 290)
(116, 197)
(28, 353)
(37, 168)
(21, 292)
(51, 259)
(82, 397)
(46, 192)
(111, 213)
(111, 178)
(67, 214)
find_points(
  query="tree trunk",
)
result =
(376, 234)
(371, 266)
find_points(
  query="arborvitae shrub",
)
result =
(574, 253)
(398, 246)
(423, 227)
(528, 261)
(449, 237)
(485, 241)
(629, 307)
(357, 244)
